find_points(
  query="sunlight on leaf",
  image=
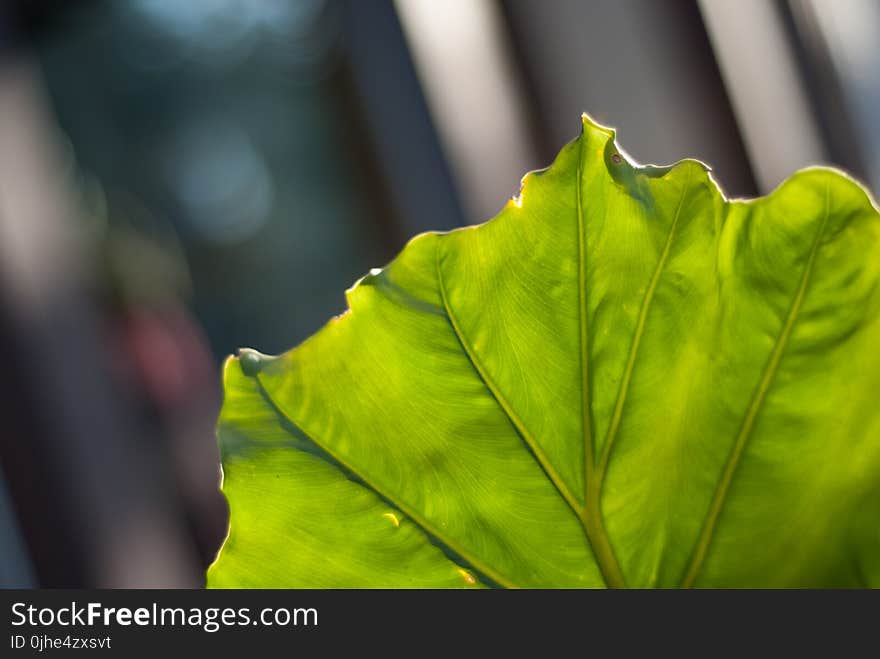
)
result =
(624, 379)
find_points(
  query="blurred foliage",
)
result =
(229, 125)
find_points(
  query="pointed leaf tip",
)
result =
(623, 379)
(251, 361)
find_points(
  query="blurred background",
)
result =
(179, 179)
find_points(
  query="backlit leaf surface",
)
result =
(623, 379)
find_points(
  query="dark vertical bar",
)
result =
(396, 116)
(823, 86)
(642, 66)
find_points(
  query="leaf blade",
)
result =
(622, 378)
(390, 551)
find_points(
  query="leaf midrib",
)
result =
(580, 511)
(591, 513)
(707, 532)
(588, 514)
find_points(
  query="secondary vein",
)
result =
(591, 514)
(517, 423)
(617, 414)
(708, 530)
(415, 516)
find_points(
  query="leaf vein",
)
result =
(395, 500)
(591, 514)
(707, 532)
(623, 391)
(505, 406)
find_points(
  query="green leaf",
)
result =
(623, 379)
